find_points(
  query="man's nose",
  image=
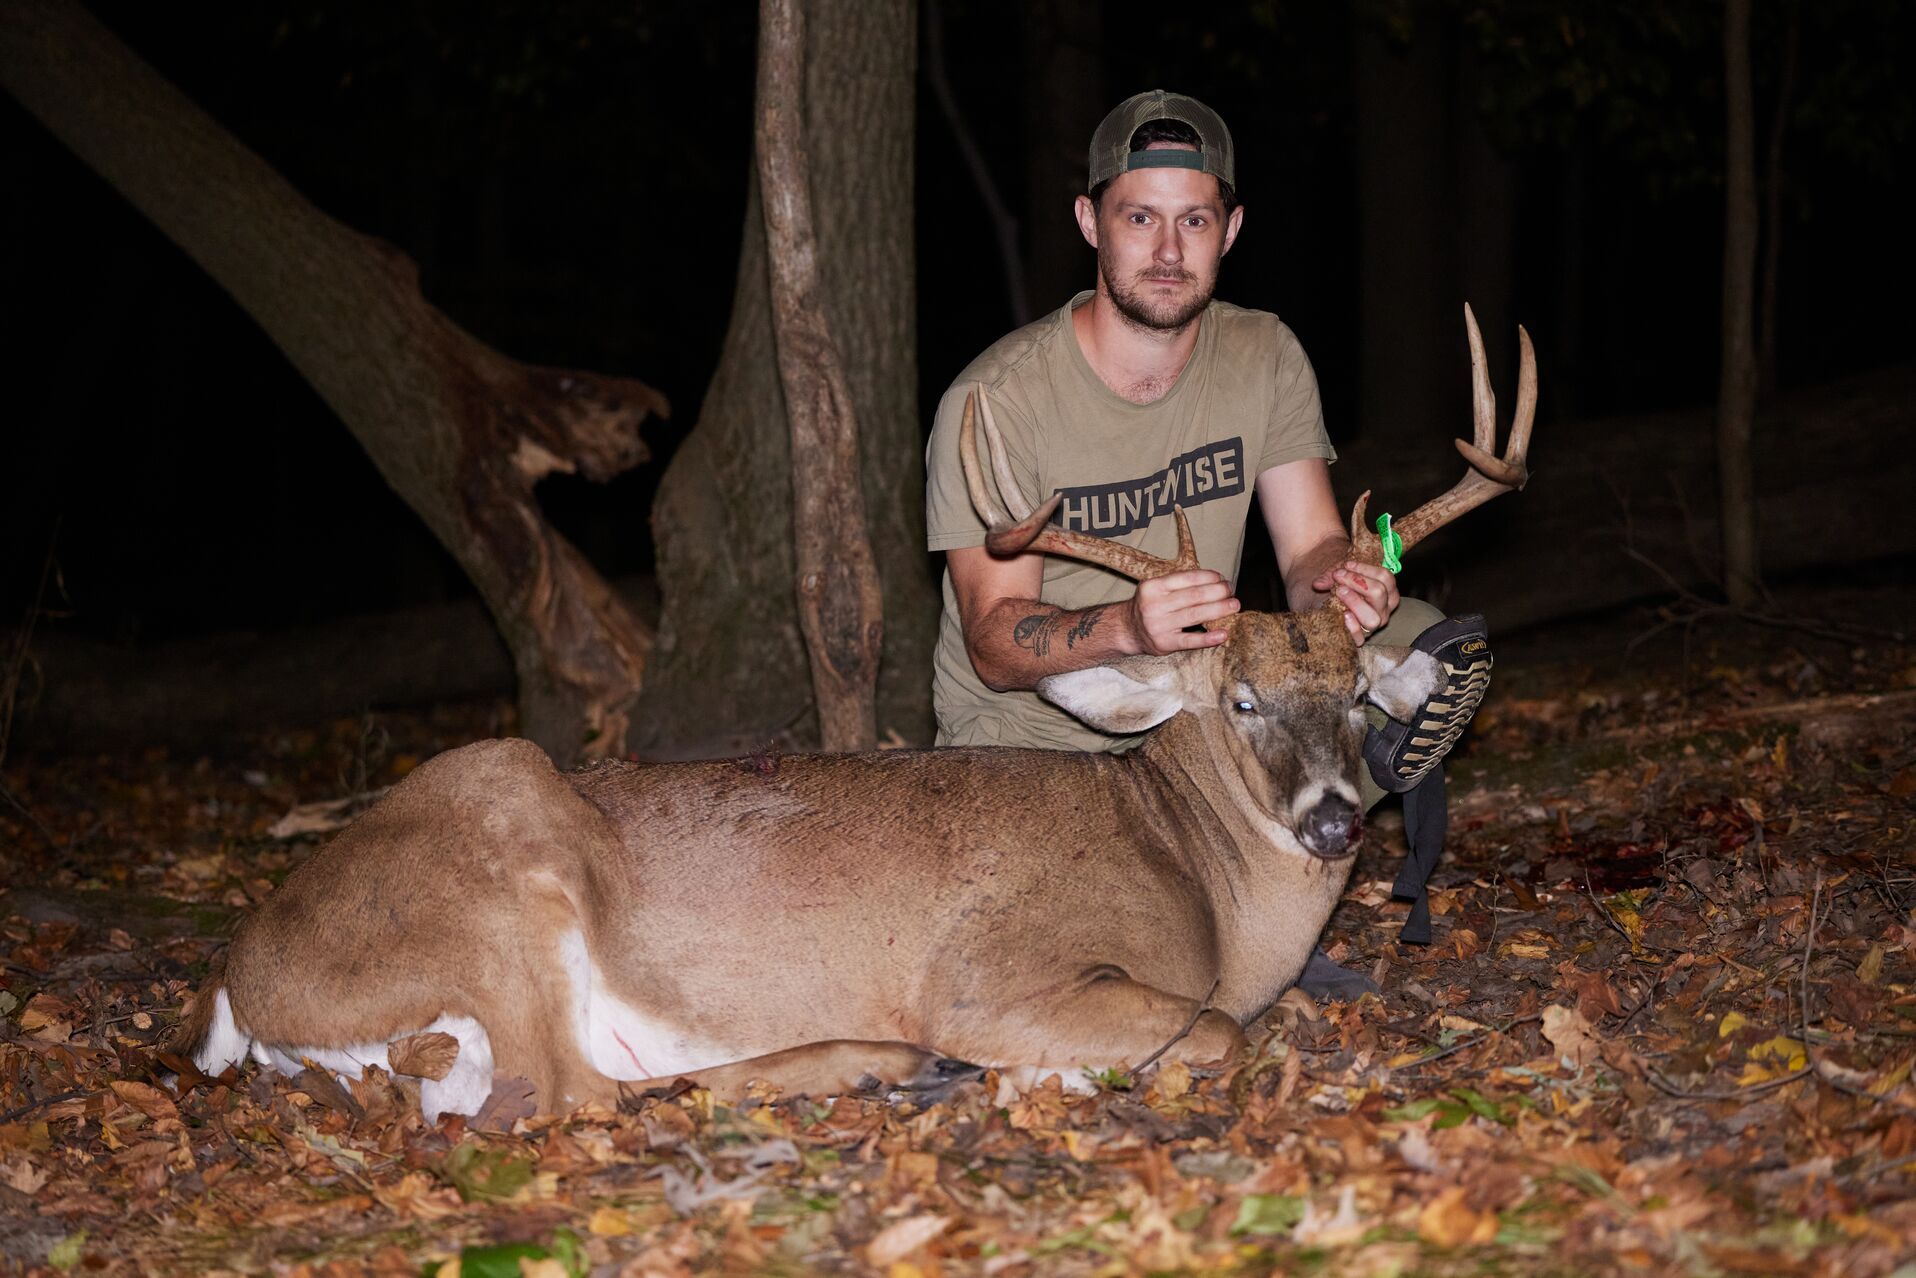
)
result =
(1169, 247)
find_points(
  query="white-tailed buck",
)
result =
(830, 923)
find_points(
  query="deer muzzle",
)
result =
(1327, 827)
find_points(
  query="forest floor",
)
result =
(1666, 1026)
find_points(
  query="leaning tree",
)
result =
(460, 431)
(463, 433)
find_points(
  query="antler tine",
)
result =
(1483, 400)
(1489, 475)
(1000, 465)
(1032, 532)
(1526, 414)
(968, 461)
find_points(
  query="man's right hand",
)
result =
(1164, 606)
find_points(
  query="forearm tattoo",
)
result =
(1036, 631)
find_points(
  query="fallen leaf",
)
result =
(424, 1055)
(146, 1098)
(22, 1176)
(1448, 1221)
(1174, 1080)
(1576, 1042)
(417, 1196)
(901, 1238)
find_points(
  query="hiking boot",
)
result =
(1402, 754)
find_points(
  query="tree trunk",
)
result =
(1736, 393)
(840, 606)
(1064, 99)
(1406, 292)
(461, 432)
(730, 658)
(1773, 189)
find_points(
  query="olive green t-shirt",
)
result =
(1245, 402)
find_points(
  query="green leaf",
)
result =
(1412, 1112)
(1268, 1214)
(486, 1175)
(1450, 1114)
(66, 1253)
(1191, 1217)
(502, 1260)
(7, 1003)
(1482, 1106)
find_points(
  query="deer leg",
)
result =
(1108, 1022)
(835, 1067)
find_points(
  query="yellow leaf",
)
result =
(542, 1267)
(1786, 1051)
(1174, 1080)
(1754, 1074)
(1892, 1080)
(1870, 970)
(609, 1222)
(1732, 1022)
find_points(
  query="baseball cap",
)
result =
(1111, 152)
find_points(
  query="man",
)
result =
(1140, 395)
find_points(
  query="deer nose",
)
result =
(1327, 826)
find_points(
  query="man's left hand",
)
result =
(1368, 592)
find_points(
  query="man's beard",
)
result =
(1160, 314)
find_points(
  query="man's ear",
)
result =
(1128, 696)
(1232, 225)
(1087, 214)
(1401, 679)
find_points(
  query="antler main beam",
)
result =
(1030, 530)
(1489, 475)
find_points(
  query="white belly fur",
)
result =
(618, 1040)
(462, 1091)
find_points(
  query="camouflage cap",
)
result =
(1111, 152)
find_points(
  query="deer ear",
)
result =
(1401, 679)
(1130, 696)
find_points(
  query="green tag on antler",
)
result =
(1393, 545)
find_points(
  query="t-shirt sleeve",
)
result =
(950, 520)
(1296, 428)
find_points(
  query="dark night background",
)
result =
(571, 179)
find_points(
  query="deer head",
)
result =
(1283, 696)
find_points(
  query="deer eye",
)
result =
(1243, 707)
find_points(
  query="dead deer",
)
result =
(835, 923)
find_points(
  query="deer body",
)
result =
(1031, 910)
(835, 922)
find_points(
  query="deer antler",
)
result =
(1030, 530)
(1489, 475)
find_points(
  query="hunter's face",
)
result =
(1160, 235)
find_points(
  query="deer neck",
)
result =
(1270, 897)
